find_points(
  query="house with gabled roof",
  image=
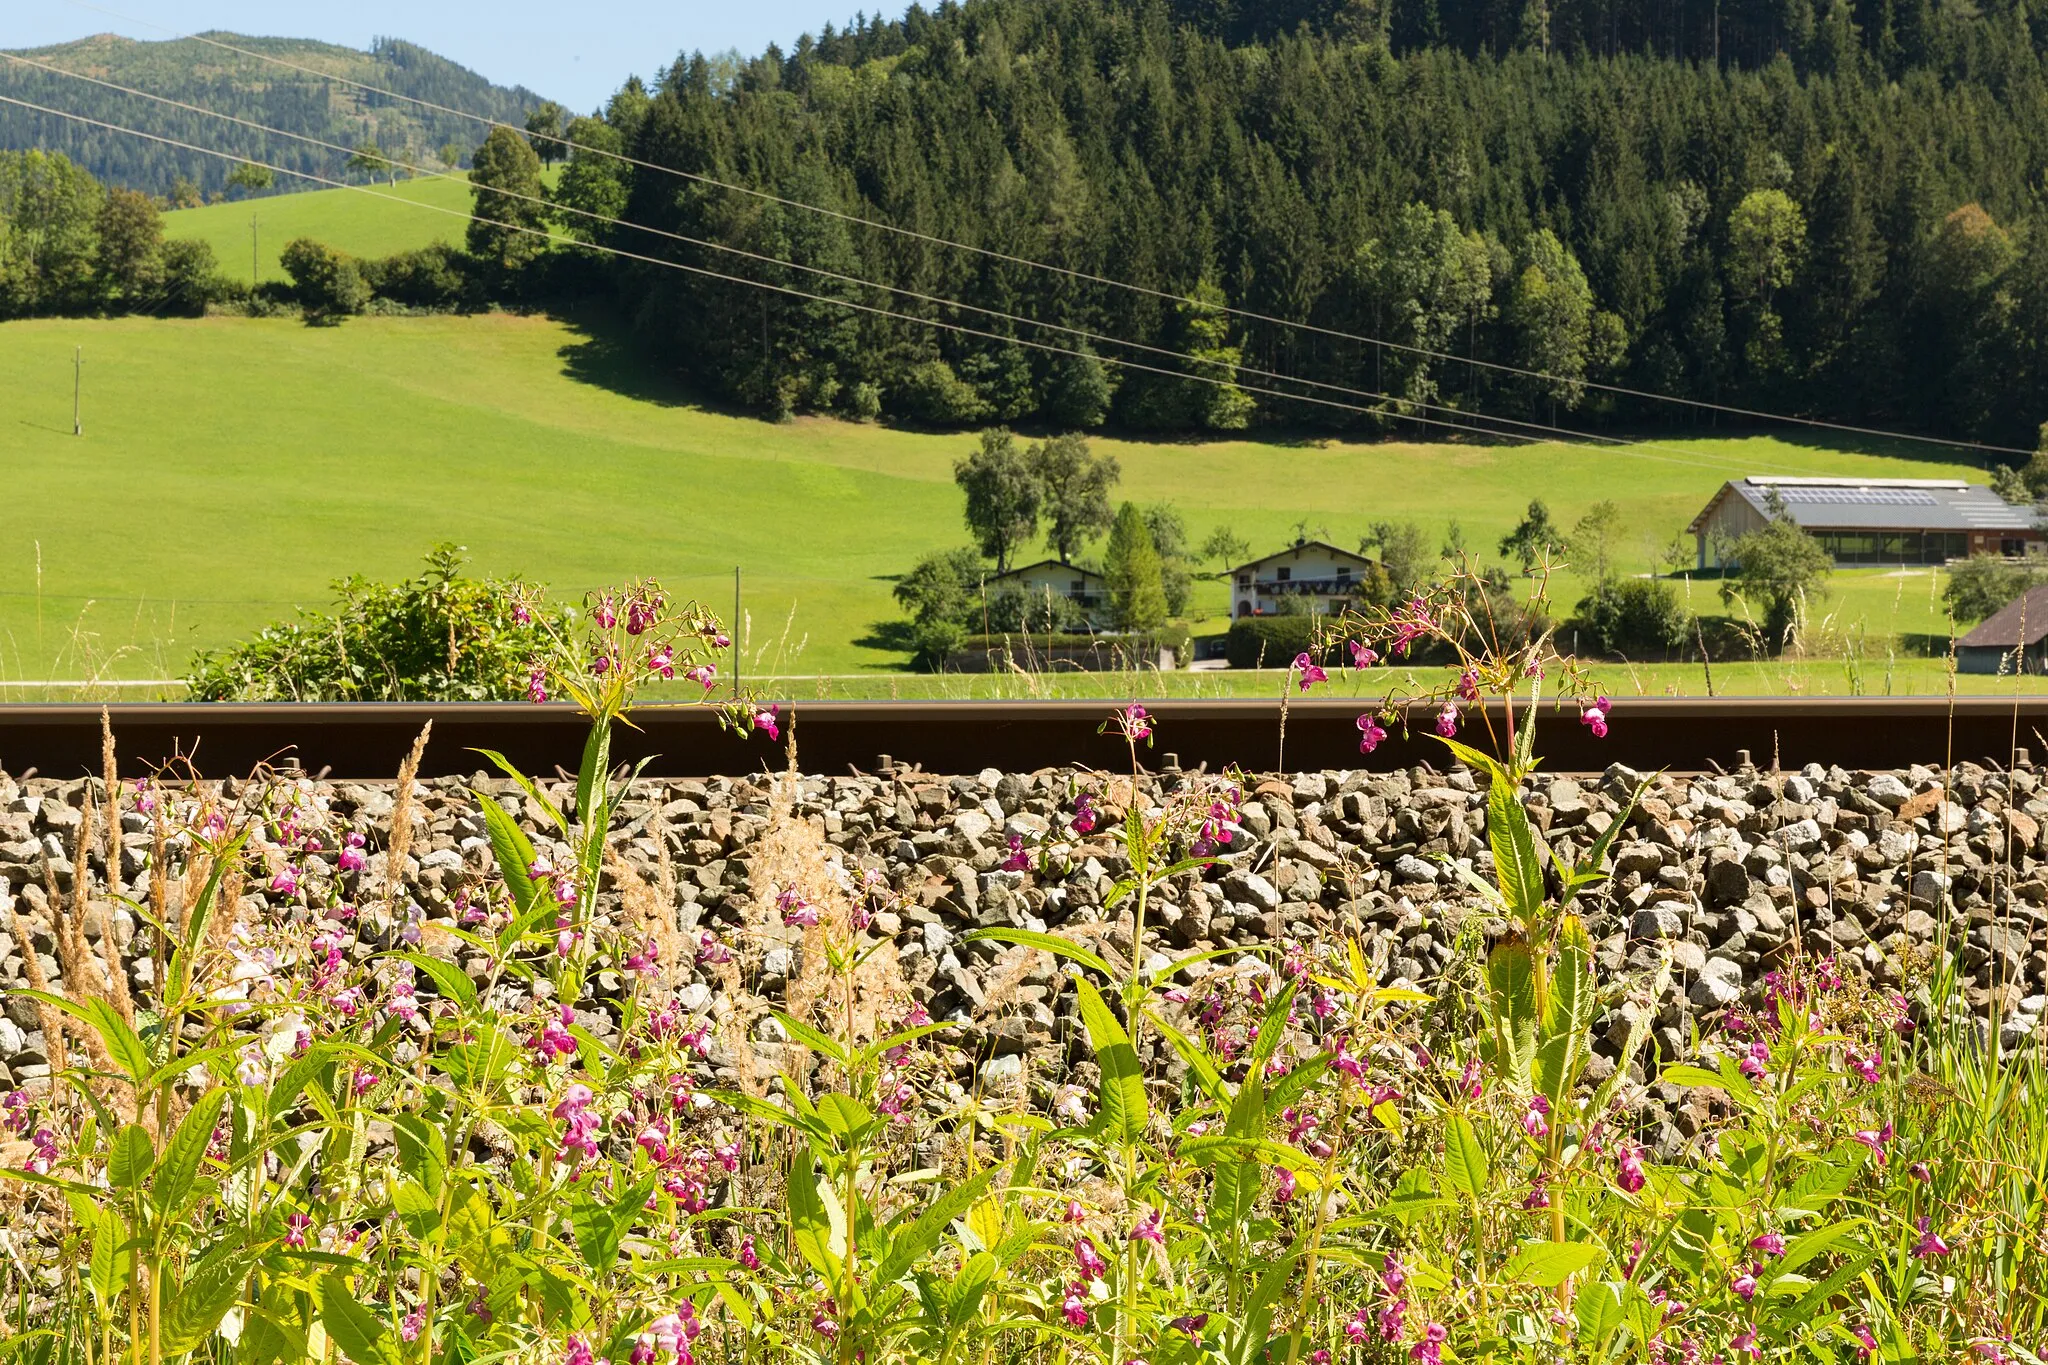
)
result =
(1320, 575)
(1871, 521)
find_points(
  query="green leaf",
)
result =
(1595, 860)
(528, 785)
(1681, 1073)
(422, 1152)
(1476, 760)
(112, 1257)
(1513, 842)
(1599, 1310)
(1525, 739)
(1051, 943)
(1249, 1342)
(178, 1172)
(450, 981)
(1809, 1245)
(912, 1244)
(1512, 1012)
(1466, 1168)
(810, 1037)
(600, 1227)
(1234, 1188)
(1549, 1264)
(809, 1224)
(132, 1155)
(355, 1330)
(123, 1045)
(1123, 1110)
(512, 851)
(1816, 1187)
(193, 1309)
(846, 1118)
(1200, 1064)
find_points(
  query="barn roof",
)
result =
(1875, 504)
(2026, 613)
(1297, 547)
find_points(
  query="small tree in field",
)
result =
(1003, 496)
(1778, 567)
(1131, 563)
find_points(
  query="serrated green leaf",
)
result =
(912, 1243)
(355, 1330)
(194, 1308)
(1123, 1110)
(129, 1162)
(1513, 841)
(1051, 943)
(810, 1037)
(1466, 1168)
(1549, 1264)
(178, 1173)
(450, 981)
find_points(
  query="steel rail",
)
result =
(368, 741)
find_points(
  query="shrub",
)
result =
(1981, 584)
(931, 393)
(1634, 616)
(328, 284)
(438, 637)
(435, 276)
(1273, 641)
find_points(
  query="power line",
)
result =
(1081, 275)
(1636, 448)
(781, 289)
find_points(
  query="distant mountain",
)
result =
(200, 73)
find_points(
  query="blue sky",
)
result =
(575, 52)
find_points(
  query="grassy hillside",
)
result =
(358, 223)
(309, 101)
(231, 468)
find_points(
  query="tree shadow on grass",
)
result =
(607, 355)
(1925, 646)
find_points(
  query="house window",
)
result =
(1343, 573)
(1076, 586)
(1244, 582)
(1283, 573)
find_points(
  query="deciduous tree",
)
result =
(1003, 496)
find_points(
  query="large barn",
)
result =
(1872, 521)
(2011, 640)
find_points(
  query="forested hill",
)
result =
(202, 74)
(1842, 217)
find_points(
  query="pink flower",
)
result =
(1411, 623)
(522, 615)
(351, 858)
(705, 675)
(1864, 1064)
(1769, 1243)
(1875, 1141)
(1084, 814)
(1019, 859)
(1753, 1063)
(1359, 1328)
(1744, 1285)
(536, 684)
(1447, 720)
(1150, 1229)
(409, 1326)
(601, 665)
(1538, 1197)
(646, 959)
(1920, 1171)
(749, 1258)
(1630, 1176)
(580, 1353)
(1866, 1344)
(606, 612)
(661, 663)
(1930, 1243)
(1283, 1186)
(1535, 1122)
(1472, 1081)
(1745, 1340)
(1363, 655)
(639, 616)
(1468, 685)
(765, 721)
(797, 912)
(1594, 717)
(1135, 721)
(1089, 1259)
(286, 882)
(1307, 672)
(1370, 733)
(1431, 1347)
(1074, 1308)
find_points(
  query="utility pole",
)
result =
(77, 382)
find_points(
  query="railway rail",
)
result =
(368, 740)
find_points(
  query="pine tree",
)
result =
(1131, 564)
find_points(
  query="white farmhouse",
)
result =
(1085, 588)
(1313, 569)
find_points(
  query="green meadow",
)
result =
(230, 468)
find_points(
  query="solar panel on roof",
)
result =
(1860, 497)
